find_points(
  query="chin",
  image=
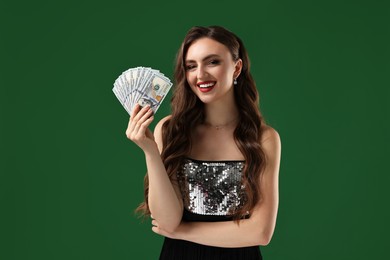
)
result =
(207, 100)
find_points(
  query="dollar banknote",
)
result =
(143, 86)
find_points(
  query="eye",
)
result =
(214, 62)
(189, 66)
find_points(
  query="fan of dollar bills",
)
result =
(143, 86)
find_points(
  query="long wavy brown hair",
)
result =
(188, 112)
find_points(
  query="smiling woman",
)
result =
(210, 66)
(213, 165)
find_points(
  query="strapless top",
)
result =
(211, 191)
(212, 187)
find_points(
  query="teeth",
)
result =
(206, 85)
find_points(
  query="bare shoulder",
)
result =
(269, 136)
(271, 144)
(158, 132)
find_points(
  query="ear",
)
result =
(237, 68)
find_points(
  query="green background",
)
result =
(70, 179)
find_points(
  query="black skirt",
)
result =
(174, 249)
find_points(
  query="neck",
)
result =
(221, 113)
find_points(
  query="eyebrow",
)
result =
(206, 58)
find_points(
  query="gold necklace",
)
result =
(219, 127)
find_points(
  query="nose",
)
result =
(201, 72)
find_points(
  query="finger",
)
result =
(137, 126)
(144, 125)
(151, 216)
(146, 116)
(134, 121)
(135, 110)
(161, 232)
(141, 113)
(155, 229)
(154, 223)
(130, 125)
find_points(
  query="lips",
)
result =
(206, 86)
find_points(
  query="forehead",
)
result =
(204, 47)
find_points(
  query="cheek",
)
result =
(191, 79)
(225, 72)
(225, 77)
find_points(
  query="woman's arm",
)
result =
(164, 200)
(259, 228)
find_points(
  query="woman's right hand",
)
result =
(137, 129)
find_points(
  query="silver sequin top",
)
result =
(212, 187)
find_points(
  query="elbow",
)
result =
(170, 227)
(264, 241)
(167, 223)
(264, 238)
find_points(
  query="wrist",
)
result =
(152, 152)
(151, 149)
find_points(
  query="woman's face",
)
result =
(210, 69)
